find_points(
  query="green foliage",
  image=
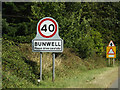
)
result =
(14, 63)
(21, 32)
(98, 42)
(13, 81)
(86, 27)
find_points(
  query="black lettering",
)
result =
(52, 43)
(59, 44)
(56, 44)
(48, 44)
(52, 28)
(39, 43)
(44, 44)
(35, 43)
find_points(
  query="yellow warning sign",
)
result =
(111, 52)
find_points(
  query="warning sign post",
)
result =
(111, 52)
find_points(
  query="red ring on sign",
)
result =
(42, 22)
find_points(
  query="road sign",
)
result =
(111, 50)
(47, 27)
(111, 44)
(47, 38)
(54, 45)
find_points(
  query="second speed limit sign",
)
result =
(47, 28)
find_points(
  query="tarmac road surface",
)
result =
(115, 84)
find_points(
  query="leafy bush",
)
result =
(14, 63)
(21, 32)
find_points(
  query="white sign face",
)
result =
(111, 44)
(47, 27)
(47, 38)
(48, 45)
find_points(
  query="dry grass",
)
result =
(68, 59)
(35, 57)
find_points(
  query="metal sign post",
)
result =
(47, 40)
(53, 72)
(113, 61)
(111, 52)
(109, 61)
(40, 65)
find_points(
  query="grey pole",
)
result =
(113, 61)
(53, 72)
(109, 61)
(40, 66)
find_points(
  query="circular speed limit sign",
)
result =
(47, 27)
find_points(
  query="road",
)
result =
(106, 79)
(103, 79)
(115, 84)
